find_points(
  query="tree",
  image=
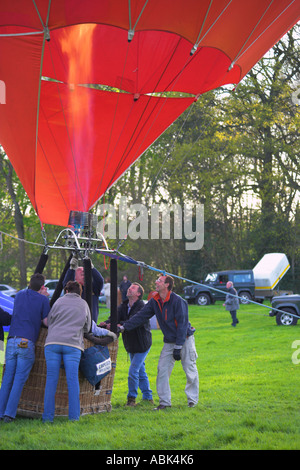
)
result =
(7, 172)
(261, 126)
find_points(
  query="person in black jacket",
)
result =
(124, 286)
(137, 343)
(5, 320)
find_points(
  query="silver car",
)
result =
(8, 290)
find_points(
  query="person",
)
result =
(30, 310)
(123, 286)
(232, 303)
(5, 320)
(137, 343)
(68, 320)
(179, 342)
(76, 273)
(107, 292)
(98, 331)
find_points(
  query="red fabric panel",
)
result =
(85, 147)
(19, 70)
(227, 25)
(153, 62)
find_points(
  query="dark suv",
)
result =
(289, 306)
(206, 294)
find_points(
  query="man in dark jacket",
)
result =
(179, 343)
(137, 343)
(5, 320)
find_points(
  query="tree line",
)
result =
(235, 152)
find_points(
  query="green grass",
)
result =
(249, 395)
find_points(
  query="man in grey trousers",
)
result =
(179, 343)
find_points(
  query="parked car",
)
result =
(289, 306)
(51, 286)
(8, 290)
(102, 298)
(214, 287)
(252, 284)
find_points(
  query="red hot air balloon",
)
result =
(68, 139)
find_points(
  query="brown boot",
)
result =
(131, 401)
(148, 401)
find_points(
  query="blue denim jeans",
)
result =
(54, 354)
(137, 376)
(233, 316)
(18, 364)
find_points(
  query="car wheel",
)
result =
(244, 297)
(203, 299)
(285, 318)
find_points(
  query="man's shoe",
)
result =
(146, 401)
(131, 401)
(8, 419)
(162, 407)
(191, 404)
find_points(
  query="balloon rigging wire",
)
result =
(239, 54)
(136, 133)
(140, 264)
(131, 29)
(121, 242)
(154, 110)
(263, 32)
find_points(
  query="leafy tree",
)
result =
(261, 128)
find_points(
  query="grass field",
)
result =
(249, 396)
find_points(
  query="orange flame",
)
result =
(77, 46)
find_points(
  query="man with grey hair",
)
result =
(179, 342)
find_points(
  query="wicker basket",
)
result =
(92, 401)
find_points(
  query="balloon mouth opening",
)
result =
(82, 220)
(107, 88)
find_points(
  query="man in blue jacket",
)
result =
(31, 308)
(179, 343)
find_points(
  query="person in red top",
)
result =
(171, 312)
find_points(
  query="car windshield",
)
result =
(211, 277)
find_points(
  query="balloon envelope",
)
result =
(80, 103)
